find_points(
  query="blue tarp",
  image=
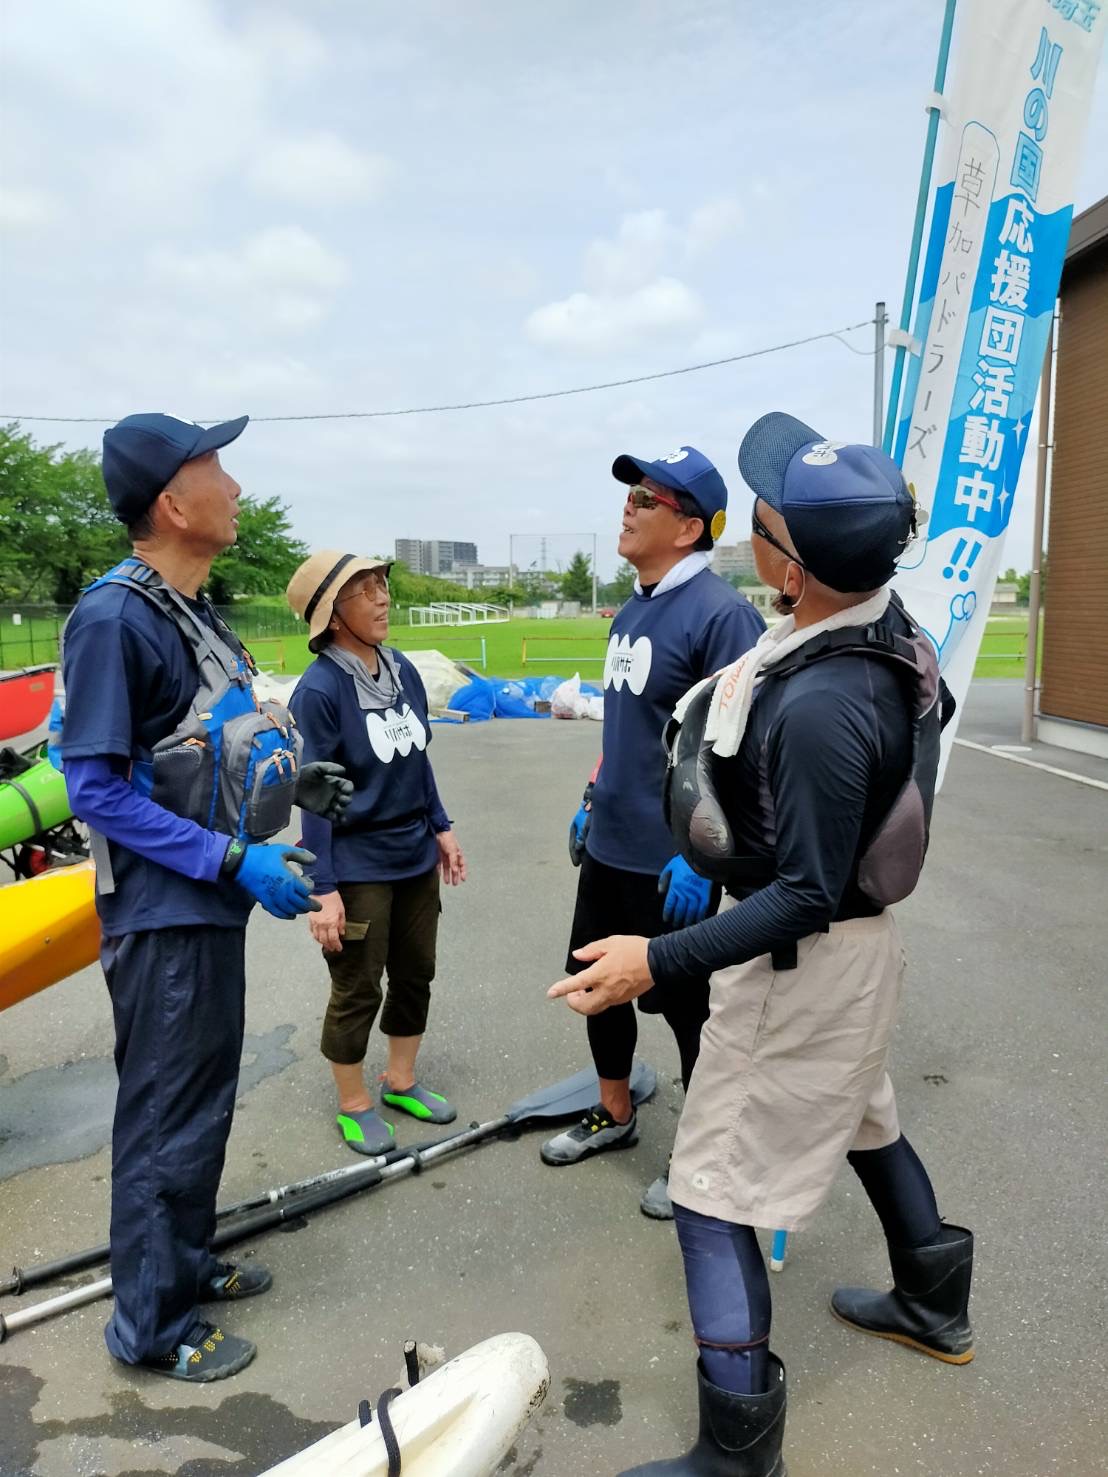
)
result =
(509, 697)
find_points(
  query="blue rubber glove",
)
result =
(578, 830)
(266, 875)
(687, 894)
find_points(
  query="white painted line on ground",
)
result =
(1065, 774)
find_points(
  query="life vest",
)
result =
(231, 764)
(892, 859)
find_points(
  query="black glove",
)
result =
(323, 789)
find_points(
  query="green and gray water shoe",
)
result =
(422, 1103)
(367, 1132)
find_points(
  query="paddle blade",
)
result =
(574, 1096)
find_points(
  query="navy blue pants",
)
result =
(178, 999)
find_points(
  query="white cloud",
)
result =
(290, 47)
(597, 322)
(629, 281)
(634, 258)
(22, 210)
(282, 276)
(712, 224)
(318, 169)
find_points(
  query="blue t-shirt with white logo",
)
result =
(660, 646)
(388, 830)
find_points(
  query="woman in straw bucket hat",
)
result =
(362, 704)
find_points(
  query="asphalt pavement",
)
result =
(999, 1067)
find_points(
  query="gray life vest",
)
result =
(231, 763)
(893, 856)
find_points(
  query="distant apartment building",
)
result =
(482, 576)
(409, 551)
(434, 556)
(732, 560)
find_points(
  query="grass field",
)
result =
(578, 646)
(552, 646)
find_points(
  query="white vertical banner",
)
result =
(1016, 112)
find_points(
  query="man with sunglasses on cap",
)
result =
(681, 623)
(802, 777)
(182, 775)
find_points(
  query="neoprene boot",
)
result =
(740, 1435)
(928, 1308)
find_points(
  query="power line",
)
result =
(366, 415)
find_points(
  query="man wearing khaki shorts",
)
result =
(802, 778)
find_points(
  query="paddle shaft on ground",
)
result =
(566, 1099)
(359, 1177)
(24, 1278)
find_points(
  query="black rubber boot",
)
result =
(740, 1435)
(929, 1305)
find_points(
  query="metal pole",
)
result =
(1034, 600)
(917, 229)
(594, 574)
(880, 319)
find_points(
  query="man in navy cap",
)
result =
(681, 623)
(804, 782)
(181, 775)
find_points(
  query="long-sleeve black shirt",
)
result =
(825, 753)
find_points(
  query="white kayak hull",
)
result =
(459, 1421)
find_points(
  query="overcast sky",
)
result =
(218, 208)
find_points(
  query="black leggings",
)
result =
(610, 900)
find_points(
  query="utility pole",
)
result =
(1034, 596)
(880, 320)
(594, 574)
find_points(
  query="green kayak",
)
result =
(32, 801)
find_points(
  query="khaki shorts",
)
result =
(791, 1075)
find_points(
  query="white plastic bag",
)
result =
(567, 700)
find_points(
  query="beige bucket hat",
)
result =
(311, 591)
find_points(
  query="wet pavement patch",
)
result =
(55, 1115)
(256, 1430)
(593, 1403)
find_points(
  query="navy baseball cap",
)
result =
(684, 470)
(144, 452)
(848, 508)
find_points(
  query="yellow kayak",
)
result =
(48, 929)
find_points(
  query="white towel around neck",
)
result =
(680, 574)
(730, 707)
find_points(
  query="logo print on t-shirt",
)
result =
(627, 662)
(391, 733)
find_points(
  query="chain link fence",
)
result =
(30, 634)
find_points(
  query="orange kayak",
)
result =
(48, 930)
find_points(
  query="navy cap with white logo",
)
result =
(848, 509)
(144, 452)
(684, 470)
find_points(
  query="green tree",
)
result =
(59, 531)
(577, 580)
(623, 583)
(263, 559)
